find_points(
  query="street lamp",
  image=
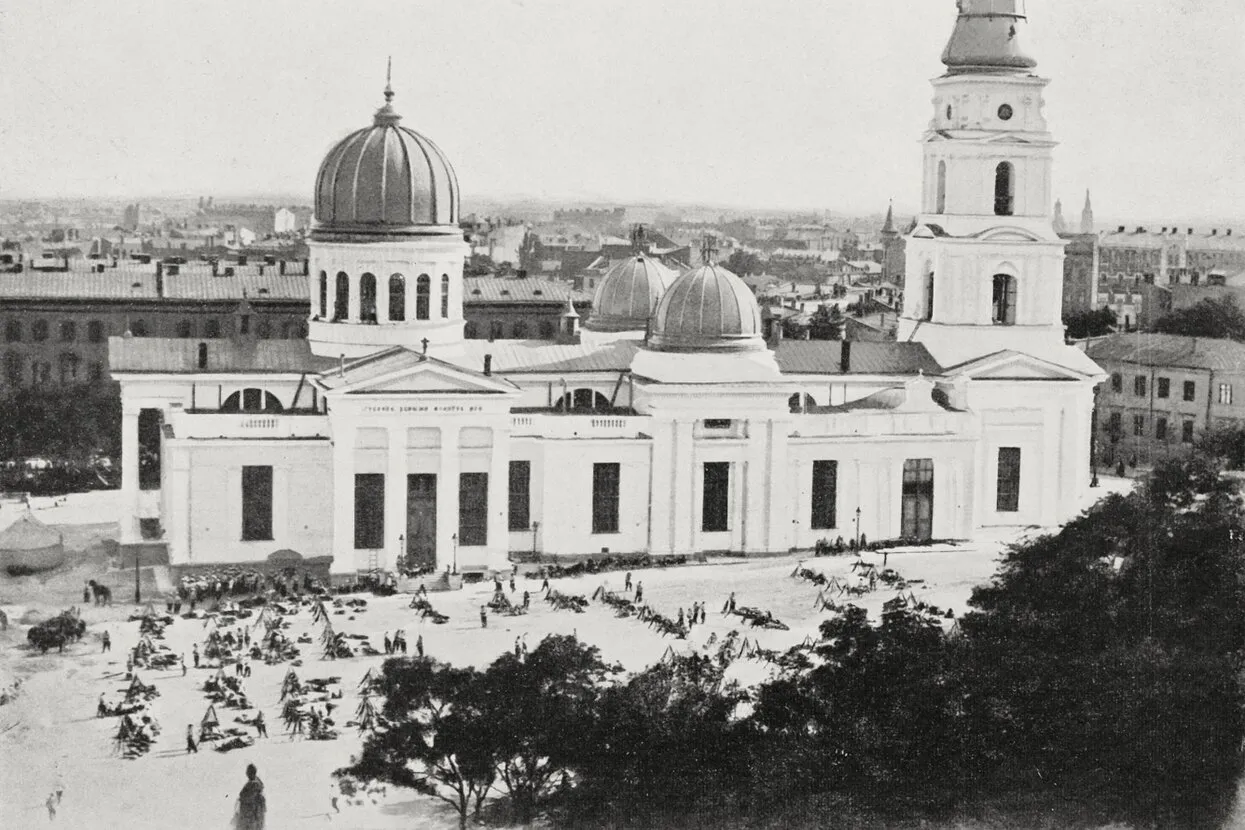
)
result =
(535, 530)
(454, 538)
(857, 528)
(400, 561)
(138, 591)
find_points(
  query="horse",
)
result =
(102, 593)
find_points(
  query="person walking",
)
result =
(107, 641)
(252, 807)
(627, 582)
(388, 644)
(518, 648)
(261, 728)
(639, 592)
(419, 645)
(51, 805)
(183, 665)
(191, 746)
(512, 584)
(483, 616)
(195, 651)
(527, 600)
(544, 585)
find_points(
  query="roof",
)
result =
(161, 355)
(28, 533)
(822, 357)
(517, 290)
(1170, 350)
(138, 282)
(540, 356)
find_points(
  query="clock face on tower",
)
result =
(1005, 112)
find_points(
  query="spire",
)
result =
(986, 39)
(387, 116)
(1087, 215)
(889, 225)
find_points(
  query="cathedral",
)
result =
(666, 424)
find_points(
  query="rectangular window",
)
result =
(369, 511)
(825, 494)
(1117, 382)
(605, 487)
(1225, 393)
(1186, 432)
(717, 423)
(520, 495)
(256, 503)
(715, 506)
(1160, 429)
(1007, 495)
(1164, 388)
(1113, 423)
(1139, 386)
(1139, 425)
(1190, 390)
(472, 509)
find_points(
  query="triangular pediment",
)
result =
(400, 371)
(1012, 365)
(1009, 139)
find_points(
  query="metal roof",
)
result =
(1170, 350)
(823, 357)
(537, 356)
(139, 283)
(161, 355)
(478, 290)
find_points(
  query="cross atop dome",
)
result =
(387, 116)
(637, 238)
(709, 249)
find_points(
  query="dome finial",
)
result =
(637, 239)
(708, 249)
(387, 116)
(389, 80)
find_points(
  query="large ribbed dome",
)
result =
(707, 310)
(386, 179)
(628, 295)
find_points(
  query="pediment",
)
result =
(431, 380)
(400, 371)
(1009, 233)
(1009, 139)
(1011, 365)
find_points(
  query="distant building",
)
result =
(893, 246)
(1087, 215)
(1164, 391)
(1080, 274)
(517, 308)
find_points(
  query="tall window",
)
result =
(825, 494)
(68, 368)
(184, 328)
(13, 331)
(605, 486)
(369, 511)
(1225, 393)
(917, 509)
(423, 289)
(95, 331)
(520, 495)
(211, 327)
(367, 298)
(473, 509)
(941, 203)
(929, 296)
(139, 328)
(715, 505)
(496, 330)
(397, 298)
(1139, 425)
(445, 296)
(1139, 386)
(519, 330)
(1003, 308)
(1186, 431)
(1160, 429)
(69, 331)
(1190, 390)
(39, 331)
(324, 295)
(1007, 494)
(341, 297)
(1164, 387)
(1117, 382)
(256, 503)
(1004, 189)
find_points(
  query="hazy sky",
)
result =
(781, 103)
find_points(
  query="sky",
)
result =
(792, 104)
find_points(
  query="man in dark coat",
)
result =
(252, 806)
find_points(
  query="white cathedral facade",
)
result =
(671, 427)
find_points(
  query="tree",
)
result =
(826, 323)
(440, 743)
(479, 265)
(1082, 324)
(744, 263)
(1213, 317)
(538, 709)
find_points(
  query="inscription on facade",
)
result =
(424, 408)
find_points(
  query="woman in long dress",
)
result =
(251, 804)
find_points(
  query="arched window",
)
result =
(1004, 189)
(940, 205)
(1003, 303)
(69, 331)
(341, 297)
(324, 295)
(211, 327)
(519, 330)
(252, 400)
(582, 400)
(423, 290)
(445, 296)
(929, 296)
(39, 331)
(397, 298)
(367, 298)
(470, 331)
(14, 368)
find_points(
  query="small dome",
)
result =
(628, 295)
(385, 179)
(708, 309)
(986, 39)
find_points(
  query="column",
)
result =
(129, 475)
(343, 500)
(447, 498)
(395, 499)
(780, 508)
(175, 509)
(499, 497)
(661, 488)
(755, 471)
(352, 304)
(1050, 450)
(382, 298)
(685, 523)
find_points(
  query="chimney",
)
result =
(1229, 231)
(1140, 229)
(160, 268)
(488, 364)
(845, 357)
(242, 259)
(281, 268)
(159, 282)
(1190, 231)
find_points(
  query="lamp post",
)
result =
(399, 562)
(1093, 442)
(535, 530)
(454, 538)
(138, 591)
(857, 528)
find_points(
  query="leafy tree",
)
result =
(538, 708)
(1082, 324)
(826, 323)
(1213, 317)
(480, 265)
(744, 263)
(440, 744)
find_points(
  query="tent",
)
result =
(30, 546)
(209, 717)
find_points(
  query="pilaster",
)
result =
(447, 498)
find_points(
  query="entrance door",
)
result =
(421, 520)
(918, 499)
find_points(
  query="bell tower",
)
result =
(984, 270)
